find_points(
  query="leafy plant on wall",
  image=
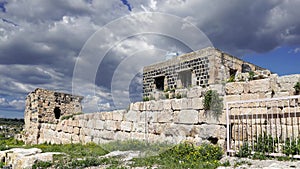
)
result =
(212, 102)
(297, 88)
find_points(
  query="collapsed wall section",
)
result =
(45, 106)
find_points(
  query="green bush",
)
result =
(213, 102)
(244, 151)
(251, 75)
(145, 99)
(297, 88)
(231, 78)
(185, 155)
(41, 165)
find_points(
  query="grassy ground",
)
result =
(164, 156)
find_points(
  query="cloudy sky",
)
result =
(96, 48)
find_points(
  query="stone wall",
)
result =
(169, 120)
(45, 106)
(204, 67)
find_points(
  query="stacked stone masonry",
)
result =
(199, 68)
(170, 120)
(50, 117)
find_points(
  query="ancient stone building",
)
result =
(45, 106)
(200, 68)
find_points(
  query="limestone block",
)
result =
(155, 105)
(197, 103)
(152, 116)
(135, 106)
(126, 126)
(234, 88)
(262, 85)
(176, 104)
(186, 104)
(249, 96)
(210, 118)
(176, 130)
(85, 131)
(212, 130)
(231, 98)
(167, 105)
(59, 127)
(107, 135)
(82, 123)
(99, 124)
(157, 128)
(194, 92)
(132, 116)
(187, 117)
(91, 123)
(110, 125)
(139, 127)
(164, 116)
(120, 135)
(118, 115)
(76, 130)
(75, 123)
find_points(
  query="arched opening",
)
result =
(57, 112)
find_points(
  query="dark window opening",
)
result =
(246, 68)
(232, 72)
(159, 82)
(57, 112)
(185, 78)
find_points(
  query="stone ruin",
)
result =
(45, 106)
(170, 119)
(200, 68)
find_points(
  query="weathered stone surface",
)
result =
(126, 126)
(176, 104)
(186, 104)
(132, 116)
(194, 92)
(262, 85)
(25, 158)
(110, 125)
(234, 88)
(206, 131)
(197, 103)
(99, 124)
(117, 115)
(167, 105)
(165, 116)
(187, 117)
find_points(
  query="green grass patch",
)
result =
(184, 155)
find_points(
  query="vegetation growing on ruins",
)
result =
(266, 144)
(184, 155)
(212, 102)
(71, 116)
(297, 88)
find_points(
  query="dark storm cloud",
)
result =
(42, 49)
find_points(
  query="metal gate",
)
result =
(269, 125)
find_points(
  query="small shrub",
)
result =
(251, 75)
(41, 165)
(167, 95)
(213, 102)
(244, 151)
(145, 99)
(297, 88)
(178, 96)
(231, 78)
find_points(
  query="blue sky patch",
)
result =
(125, 2)
(2, 6)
